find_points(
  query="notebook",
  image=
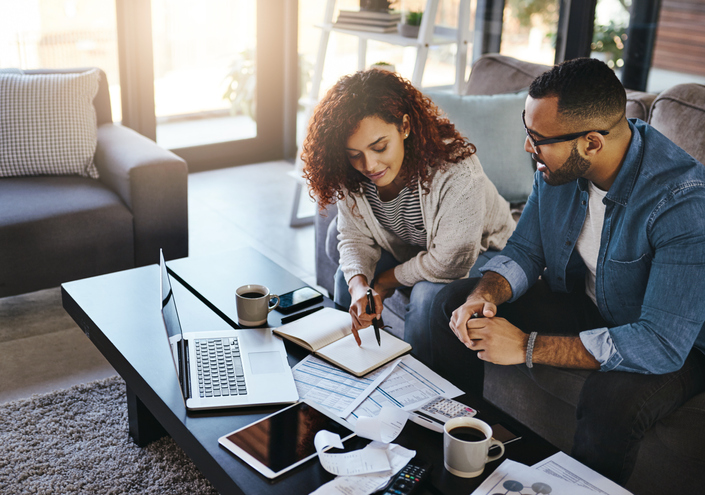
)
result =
(328, 334)
(225, 368)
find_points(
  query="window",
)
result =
(205, 76)
(56, 34)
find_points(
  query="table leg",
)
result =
(143, 426)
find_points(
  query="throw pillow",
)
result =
(48, 124)
(493, 124)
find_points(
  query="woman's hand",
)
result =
(358, 307)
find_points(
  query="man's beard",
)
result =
(573, 168)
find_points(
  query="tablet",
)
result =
(281, 441)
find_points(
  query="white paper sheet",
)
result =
(365, 484)
(382, 429)
(513, 477)
(559, 474)
(410, 385)
(336, 390)
(385, 427)
(563, 466)
(361, 461)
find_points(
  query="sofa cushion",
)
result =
(48, 124)
(493, 124)
(493, 74)
(679, 113)
(56, 229)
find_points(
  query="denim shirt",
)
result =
(650, 279)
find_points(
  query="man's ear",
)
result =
(595, 144)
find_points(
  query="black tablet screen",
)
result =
(285, 437)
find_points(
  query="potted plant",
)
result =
(383, 66)
(410, 27)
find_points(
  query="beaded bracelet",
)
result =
(530, 349)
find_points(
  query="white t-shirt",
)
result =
(588, 244)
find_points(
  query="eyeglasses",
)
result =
(558, 139)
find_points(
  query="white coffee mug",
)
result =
(466, 444)
(253, 304)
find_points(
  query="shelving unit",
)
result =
(429, 35)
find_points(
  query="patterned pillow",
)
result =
(48, 124)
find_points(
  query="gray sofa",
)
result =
(59, 228)
(672, 455)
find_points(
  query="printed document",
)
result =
(559, 474)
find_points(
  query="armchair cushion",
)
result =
(48, 124)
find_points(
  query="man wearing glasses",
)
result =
(605, 271)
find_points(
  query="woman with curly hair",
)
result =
(415, 208)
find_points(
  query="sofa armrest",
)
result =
(153, 183)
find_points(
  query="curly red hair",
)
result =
(433, 141)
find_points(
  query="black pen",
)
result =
(370, 311)
(294, 317)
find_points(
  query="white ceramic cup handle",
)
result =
(276, 305)
(501, 448)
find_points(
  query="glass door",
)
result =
(219, 80)
(204, 71)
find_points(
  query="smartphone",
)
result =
(504, 434)
(298, 299)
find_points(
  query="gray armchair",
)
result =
(59, 228)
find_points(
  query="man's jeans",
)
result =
(614, 409)
(416, 330)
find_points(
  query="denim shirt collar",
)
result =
(628, 174)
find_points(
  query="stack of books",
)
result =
(367, 20)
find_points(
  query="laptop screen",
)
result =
(171, 317)
(173, 328)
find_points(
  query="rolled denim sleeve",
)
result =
(599, 343)
(510, 270)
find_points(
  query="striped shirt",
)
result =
(401, 215)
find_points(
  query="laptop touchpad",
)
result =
(265, 362)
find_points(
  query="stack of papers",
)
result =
(559, 474)
(405, 384)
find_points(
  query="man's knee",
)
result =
(450, 297)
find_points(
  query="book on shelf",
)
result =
(367, 22)
(370, 14)
(365, 27)
(328, 334)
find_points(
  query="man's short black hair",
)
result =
(586, 89)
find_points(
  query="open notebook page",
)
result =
(320, 328)
(369, 355)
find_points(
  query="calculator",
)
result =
(437, 411)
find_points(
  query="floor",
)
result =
(42, 349)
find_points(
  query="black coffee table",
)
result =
(120, 313)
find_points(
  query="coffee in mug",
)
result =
(253, 303)
(468, 434)
(466, 444)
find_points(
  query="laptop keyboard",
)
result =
(220, 372)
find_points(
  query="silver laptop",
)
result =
(225, 368)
